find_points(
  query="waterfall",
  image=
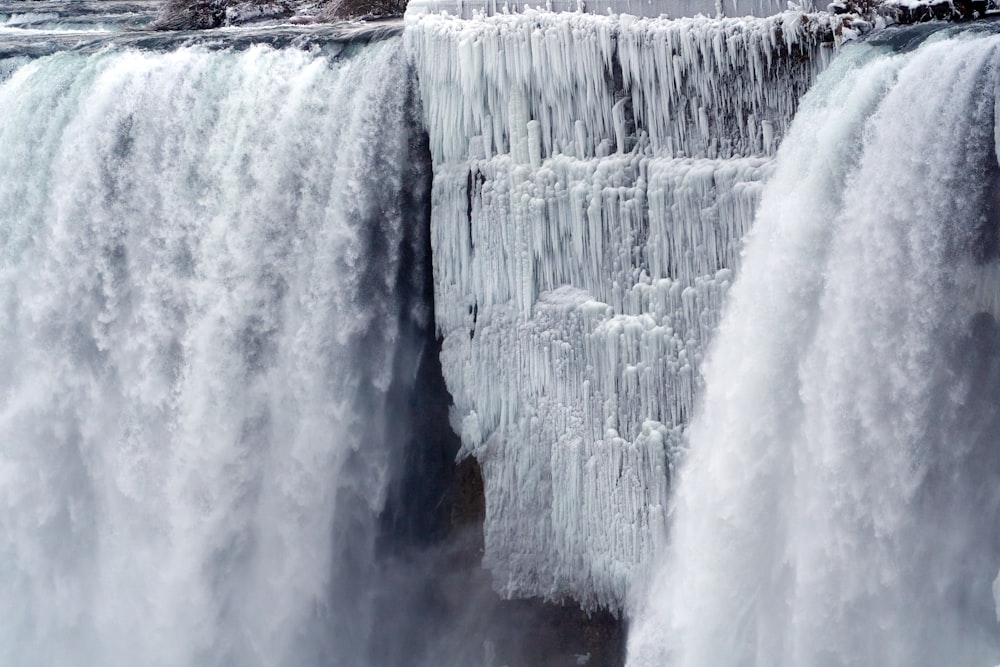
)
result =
(726, 374)
(211, 268)
(838, 505)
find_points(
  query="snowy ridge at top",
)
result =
(640, 8)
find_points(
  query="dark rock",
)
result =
(468, 500)
(450, 615)
(359, 9)
(205, 14)
(190, 15)
(938, 10)
(970, 9)
(528, 633)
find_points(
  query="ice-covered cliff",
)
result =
(593, 177)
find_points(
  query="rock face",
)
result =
(528, 632)
(456, 592)
(353, 9)
(433, 527)
(919, 11)
(203, 14)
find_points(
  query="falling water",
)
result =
(207, 264)
(838, 504)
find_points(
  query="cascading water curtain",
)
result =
(839, 503)
(200, 261)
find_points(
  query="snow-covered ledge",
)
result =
(640, 8)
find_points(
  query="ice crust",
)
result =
(647, 8)
(593, 178)
(697, 87)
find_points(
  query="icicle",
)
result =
(767, 128)
(581, 139)
(618, 115)
(535, 143)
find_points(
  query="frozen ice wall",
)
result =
(593, 177)
(647, 8)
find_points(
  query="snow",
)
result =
(593, 178)
(645, 8)
(699, 87)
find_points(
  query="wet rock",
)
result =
(911, 11)
(205, 14)
(190, 15)
(358, 9)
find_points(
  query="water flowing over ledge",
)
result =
(839, 503)
(204, 311)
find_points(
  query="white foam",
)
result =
(193, 364)
(838, 504)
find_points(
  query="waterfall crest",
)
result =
(206, 257)
(838, 503)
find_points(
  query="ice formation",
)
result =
(838, 503)
(593, 178)
(587, 85)
(644, 8)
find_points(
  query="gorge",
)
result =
(482, 337)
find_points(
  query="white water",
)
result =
(40, 18)
(838, 506)
(199, 256)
